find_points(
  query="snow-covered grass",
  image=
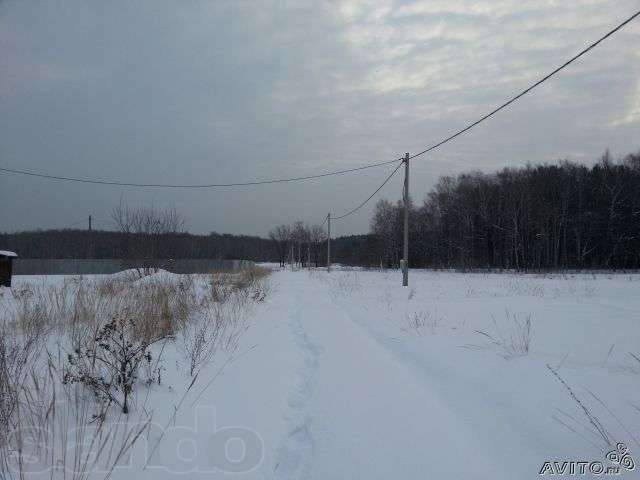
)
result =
(493, 347)
(85, 362)
(348, 374)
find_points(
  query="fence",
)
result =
(73, 266)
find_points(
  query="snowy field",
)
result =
(349, 375)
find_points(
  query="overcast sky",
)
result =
(224, 91)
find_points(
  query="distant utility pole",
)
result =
(329, 242)
(405, 269)
(90, 252)
(292, 258)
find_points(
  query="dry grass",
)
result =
(509, 341)
(18, 353)
(589, 425)
(593, 431)
(418, 322)
(536, 286)
(56, 431)
(250, 285)
(163, 303)
(202, 315)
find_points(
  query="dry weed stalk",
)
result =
(516, 342)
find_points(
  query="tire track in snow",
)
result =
(295, 452)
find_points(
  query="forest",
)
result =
(547, 216)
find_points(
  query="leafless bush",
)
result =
(57, 430)
(109, 365)
(47, 426)
(514, 342)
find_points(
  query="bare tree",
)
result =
(147, 220)
(300, 235)
(144, 229)
(317, 236)
(281, 236)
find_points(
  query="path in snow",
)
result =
(296, 450)
(356, 411)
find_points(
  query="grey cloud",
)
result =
(224, 91)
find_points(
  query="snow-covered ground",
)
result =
(459, 376)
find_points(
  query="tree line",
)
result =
(112, 244)
(548, 216)
(142, 234)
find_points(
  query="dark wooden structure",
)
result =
(6, 267)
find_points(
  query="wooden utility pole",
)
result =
(405, 269)
(89, 222)
(329, 242)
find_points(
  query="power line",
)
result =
(496, 110)
(340, 172)
(527, 90)
(337, 172)
(370, 196)
(211, 185)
